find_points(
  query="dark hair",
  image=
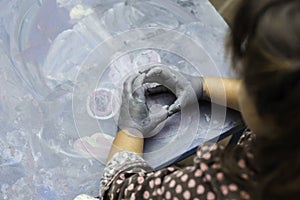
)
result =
(265, 47)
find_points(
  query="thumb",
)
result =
(157, 120)
(175, 107)
(159, 117)
(184, 99)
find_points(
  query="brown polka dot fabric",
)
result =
(205, 180)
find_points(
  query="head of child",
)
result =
(265, 46)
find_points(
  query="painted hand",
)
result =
(188, 89)
(134, 113)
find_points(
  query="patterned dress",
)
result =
(128, 176)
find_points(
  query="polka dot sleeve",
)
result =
(121, 162)
(203, 180)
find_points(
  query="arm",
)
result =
(135, 123)
(127, 174)
(124, 141)
(216, 88)
(222, 91)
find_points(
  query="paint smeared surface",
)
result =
(96, 146)
(48, 146)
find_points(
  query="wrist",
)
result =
(197, 85)
(130, 132)
(205, 93)
(126, 141)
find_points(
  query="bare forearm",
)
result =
(124, 141)
(222, 91)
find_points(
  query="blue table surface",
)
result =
(50, 53)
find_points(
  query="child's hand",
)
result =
(134, 113)
(188, 89)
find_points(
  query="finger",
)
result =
(175, 107)
(127, 86)
(139, 90)
(158, 89)
(146, 70)
(139, 81)
(157, 118)
(157, 75)
(162, 76)
(154, 72)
